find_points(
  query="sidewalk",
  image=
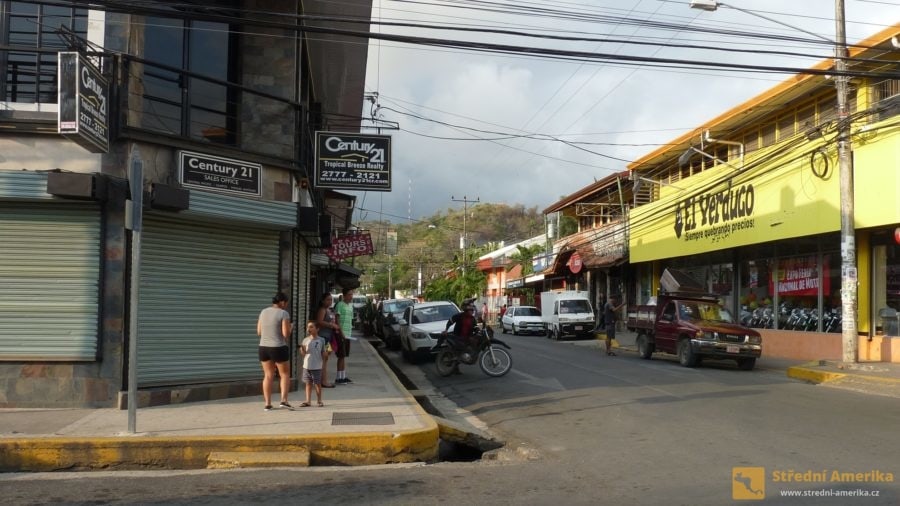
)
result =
(374, 420)
(879, 378)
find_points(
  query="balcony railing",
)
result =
(176, 103)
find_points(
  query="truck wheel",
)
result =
(556, 336)
(645, 349)
(686, 355)
(746, 364)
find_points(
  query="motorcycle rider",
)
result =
(464, 323)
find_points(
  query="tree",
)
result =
(523, 256)
(457, 286)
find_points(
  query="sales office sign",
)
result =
(207, 172)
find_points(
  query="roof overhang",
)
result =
(794, 88)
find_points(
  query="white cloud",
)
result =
(591, 102)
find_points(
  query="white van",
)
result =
(567, 313)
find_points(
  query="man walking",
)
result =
(609, 315)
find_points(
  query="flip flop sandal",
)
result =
(321, 405)
(304, 404)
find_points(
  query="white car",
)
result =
(418, 322)
(522, 320)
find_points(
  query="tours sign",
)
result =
(83, 102)
(350, 245)
(347, 161)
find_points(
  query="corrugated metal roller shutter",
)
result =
(202, 288)
(49, 281)
(301, 292)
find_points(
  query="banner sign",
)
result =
(83, 102)
(353, 161)
(207, 172)
(800, 277)
(352, 245)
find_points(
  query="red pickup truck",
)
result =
(693, 327)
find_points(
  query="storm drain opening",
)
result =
(453, 446)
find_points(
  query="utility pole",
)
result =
(849, 334)
(849, 273)
(464, 244)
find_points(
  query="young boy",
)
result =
(312, 350)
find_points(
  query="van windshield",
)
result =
(574, 306)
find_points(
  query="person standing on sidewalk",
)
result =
(609, 317)
(344, 310)
(328, 326)
(313, 353)
(274, 328)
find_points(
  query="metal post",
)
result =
(849, 341)
(133, 216)
(465, 239)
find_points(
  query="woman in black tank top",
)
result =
(327, 327)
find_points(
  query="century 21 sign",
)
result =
(353, 161)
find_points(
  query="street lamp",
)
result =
(849, 335)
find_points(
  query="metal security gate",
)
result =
(49, 281)
(301, 305)
(202, 287)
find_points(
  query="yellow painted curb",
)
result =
(349, 449)
(238, 460)
(806, 374)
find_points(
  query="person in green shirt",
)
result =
(344, 310)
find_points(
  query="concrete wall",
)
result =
(822, 346)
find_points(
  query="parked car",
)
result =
(417, 324)
(387, 321)
(522, 319)
(358, 302)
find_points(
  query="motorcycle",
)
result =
(492, 359)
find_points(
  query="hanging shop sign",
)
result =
(347, 161)
(83, 99)
(800, 277)
(207, 172)
(541, 263)
(574, 263)
(515, 283)
(352, 245)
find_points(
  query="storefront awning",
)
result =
(599, 247)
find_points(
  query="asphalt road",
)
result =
(582, 428)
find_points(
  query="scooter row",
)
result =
(802, 319)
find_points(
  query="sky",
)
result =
(462, 114)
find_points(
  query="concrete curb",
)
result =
(805, 373)
(114, 453)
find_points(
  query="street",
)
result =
(583, 428)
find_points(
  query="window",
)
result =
(182, 105)
(30, 76)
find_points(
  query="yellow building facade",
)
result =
(749, 204)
